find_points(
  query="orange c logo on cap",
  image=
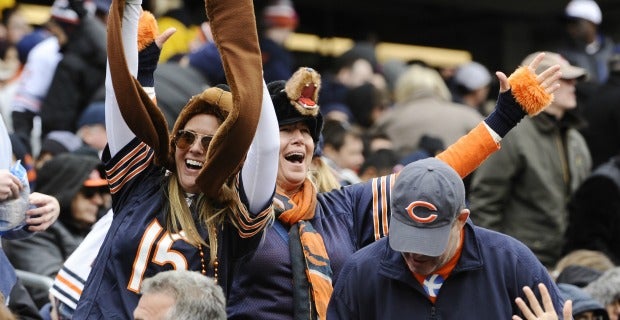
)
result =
(424, 204)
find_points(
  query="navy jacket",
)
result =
(376, 283)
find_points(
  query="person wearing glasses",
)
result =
(78, 184)
(197, 198)
(291, 274)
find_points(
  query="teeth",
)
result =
(299, 154)
(193, 163)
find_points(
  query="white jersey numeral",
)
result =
(163, 253)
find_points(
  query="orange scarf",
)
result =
(299, 209)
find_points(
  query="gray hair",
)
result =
(606, 289)
(196, 296)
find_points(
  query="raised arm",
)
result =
(261, 166)
(234, 30)
(141, 115)
(118, 131)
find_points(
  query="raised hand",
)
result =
(537, 312)
(548, 79)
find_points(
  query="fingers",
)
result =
(527, 313)
(504, 85)
(531, 298)
(10, 186)
(45, 214)
(545, 297)
(534, 64)
(548, 79)
(162, 38)
(568, 310)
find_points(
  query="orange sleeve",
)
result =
(467, 153)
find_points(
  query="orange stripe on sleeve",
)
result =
(69, 284)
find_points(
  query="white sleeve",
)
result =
(261, 165)
(496, 137)
(6, 149)
(117, 130)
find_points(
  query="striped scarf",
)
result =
(312, 288)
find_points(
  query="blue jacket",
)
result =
(491, 272)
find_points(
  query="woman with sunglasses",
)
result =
(291, 274)
(199, 198)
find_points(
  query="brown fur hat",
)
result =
(296, 100)
(216, 101)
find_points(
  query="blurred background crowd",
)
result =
(390, 95)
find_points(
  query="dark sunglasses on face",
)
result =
(184, 139)
(90, 192)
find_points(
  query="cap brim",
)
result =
(427, 241)
(571, 72)
(95, 183)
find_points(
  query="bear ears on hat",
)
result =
(301, 90)
(295, 100)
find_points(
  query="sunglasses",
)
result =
(90, 192)
(184, 139)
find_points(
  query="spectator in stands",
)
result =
(180, 294)
(76, 181)
(506, 192)
(586, 46)
(472, 82)
(606, 290)
(422, 100)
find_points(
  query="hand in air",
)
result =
(547, 79)
(537, 312)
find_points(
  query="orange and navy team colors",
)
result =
(142, 247)
(346, 219)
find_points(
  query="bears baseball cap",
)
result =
(426, 199)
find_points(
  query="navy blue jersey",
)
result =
(347, 219)
(138, 245)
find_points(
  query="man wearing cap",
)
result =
(436, 263)
(472, 82)
(586, 46)
(523, 189)
(76, 181)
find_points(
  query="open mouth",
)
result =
(295, 157)
(193, 164)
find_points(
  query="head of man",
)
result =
(428, 214)
(582, 20)
(565, 97)
(180, 294)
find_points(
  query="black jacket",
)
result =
(594, 212)
(79, 76)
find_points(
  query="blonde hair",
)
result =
(211, 214)
(587, 258)
(420, 81)
(322, 176)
